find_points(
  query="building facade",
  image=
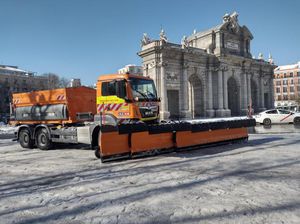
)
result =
(210, 74)
(287, 85)
(13, 80)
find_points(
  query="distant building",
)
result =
(13, 80)
(287, 85)
(75, 83)
(132, 69)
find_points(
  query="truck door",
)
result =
(112, 99)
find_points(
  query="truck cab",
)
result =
(127, 97)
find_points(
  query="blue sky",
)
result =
(86, 38)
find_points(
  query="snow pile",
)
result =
(217, 119)
(7, 130)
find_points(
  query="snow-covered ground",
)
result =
(257, 182)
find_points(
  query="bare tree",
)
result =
(55, 81)
(64, 82)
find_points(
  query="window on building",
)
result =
(292, 89)
(285, 97)
(291, 74)
(292, 97)
(298, 88)
(284, 89)
(277, 90)
(247, 46)
(279, 97)
(298, 74)
(278, 83)
(292, 81)
(284, 82)
(223, 40)
(284, 75)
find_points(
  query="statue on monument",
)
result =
(184, 42)
(271, 61)
(145, 40)
(226, 18)
(260, 56)
(232, 19)
(162, 36)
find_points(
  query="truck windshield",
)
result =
(143, 88)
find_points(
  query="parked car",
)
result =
(277, 116)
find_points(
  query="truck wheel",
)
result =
(42, 140)
(267, 122)
(297, 120)
(25, 139)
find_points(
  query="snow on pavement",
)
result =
(6, 129)
(257, 182)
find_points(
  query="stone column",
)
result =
(220, 111)
(210, 112)
(248, 88)
(185, 93)
(262, 93)
(164, 113)
(225, 93)
(271, 81)
(244, 93)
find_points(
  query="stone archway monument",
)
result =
(214, 55)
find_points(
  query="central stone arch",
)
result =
(233, 96)
(196, 96)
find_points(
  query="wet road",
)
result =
(275, 129)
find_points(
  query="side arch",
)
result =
(196, 96)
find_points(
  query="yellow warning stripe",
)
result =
(109, 99)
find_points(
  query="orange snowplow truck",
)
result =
(118, 120)
(75, 115)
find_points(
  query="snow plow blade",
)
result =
(139, 139)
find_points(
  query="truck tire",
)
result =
(97, 153)
(267, 122)
(25, 139)
(297, 120)
(43, 141)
